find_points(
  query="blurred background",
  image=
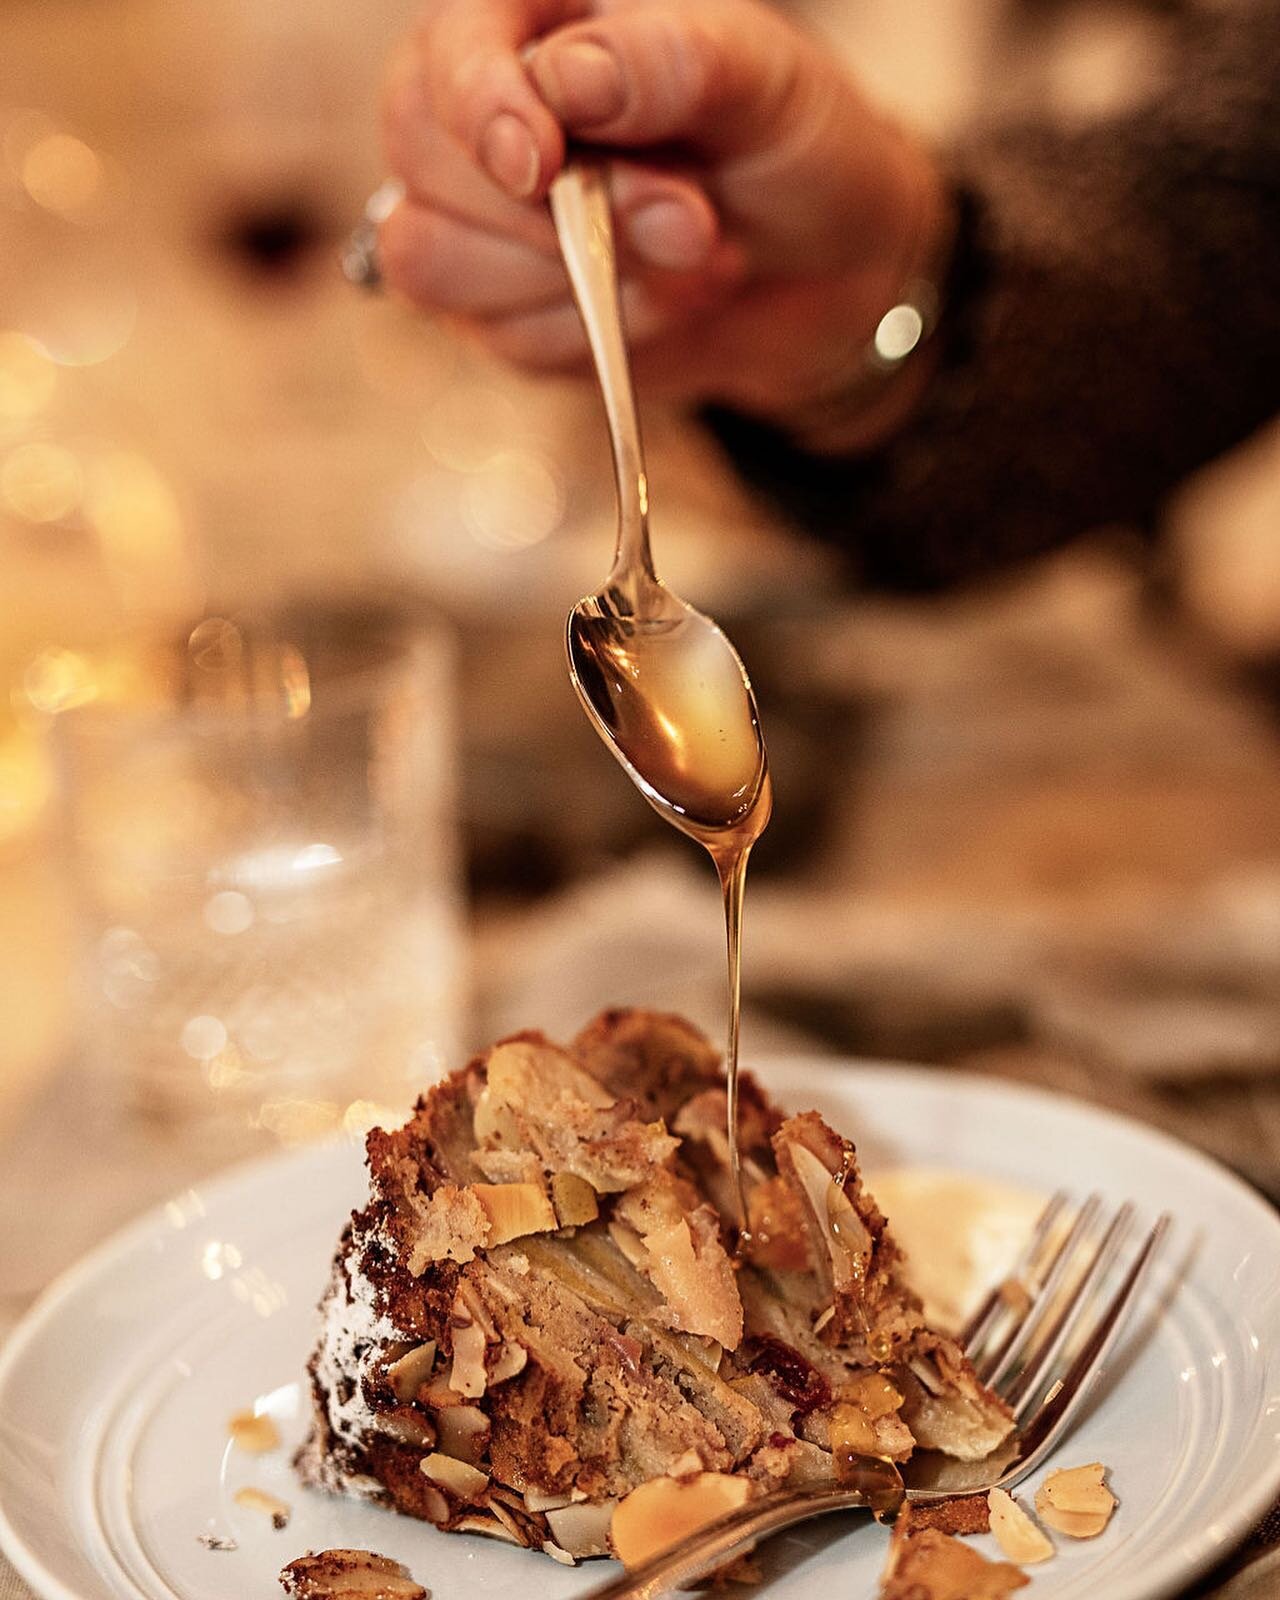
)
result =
(1037, 823)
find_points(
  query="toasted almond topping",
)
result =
(843, 1230)
(698, 1284)
(557, 1554)
(440, 1395)
(689, 1465)
(349, 1575)
(630, 1243)
(582, 1530)
(662, 1511)
(408, 1428)
(511, 1360)
(490, 1527)
(408, 1375)
(535, 1500)
(467, 1376)
(435, 1505)
(574, 1200)
(259, 1500)
(514, 1210)
(1016, 1534)
(254, 1433)
(458, 1477)
(464, 1433)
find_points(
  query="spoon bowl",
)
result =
(668, 694)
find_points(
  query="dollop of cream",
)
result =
(960, 1233)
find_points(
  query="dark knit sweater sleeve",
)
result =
(1127, 331)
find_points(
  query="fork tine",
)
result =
(1046, 1350)
(998, 1362)
(1066, 1394)
(978, 1329)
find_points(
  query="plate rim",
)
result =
(1247, 1509)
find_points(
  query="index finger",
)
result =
(477, 86)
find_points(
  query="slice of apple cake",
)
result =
(539, 1311)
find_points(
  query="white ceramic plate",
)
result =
(116, 1390)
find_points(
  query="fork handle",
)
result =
(878, 1488)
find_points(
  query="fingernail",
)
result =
(668, 235)
(580, 82)
(510, 155)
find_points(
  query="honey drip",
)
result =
(670, 697)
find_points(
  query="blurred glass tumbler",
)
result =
(263, 831)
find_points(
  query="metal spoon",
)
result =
(664, 688)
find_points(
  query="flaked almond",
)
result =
(843, 1231)
(698, 1284)
(467, 1376)
(1076, 1501)
(489, 1527)
(265, 1505)
(510, 1362)
(662, 1512)
(930, 1565)
(1016, 1534)
(582, 1530)
(407, 1427)
(557, 1554)
(434, 1505)
(630, 1243)
(460, 1478)
(574, 1199)
(463, 1434)
(349, 1575)
(536, 1500)
(514, 1210)
(689, 1465)
(440, 1394)
(254, 1433)
(412, 1372)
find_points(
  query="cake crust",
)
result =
(492, 1366)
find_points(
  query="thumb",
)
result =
(790, 152)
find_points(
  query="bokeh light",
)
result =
(59, 680)
(515, 503)
(62, 174)
(41, 482)
(26, 782)
(27, 378)
(469, 425)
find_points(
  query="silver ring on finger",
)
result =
(360, 264)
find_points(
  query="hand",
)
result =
(767, 215)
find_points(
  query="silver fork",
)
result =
(1048, 1306)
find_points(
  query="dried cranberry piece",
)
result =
(796, 1380)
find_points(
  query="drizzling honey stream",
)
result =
(663, 686)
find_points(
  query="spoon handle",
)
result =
(580, 207)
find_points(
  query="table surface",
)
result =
(551, 963)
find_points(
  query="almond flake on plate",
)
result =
(1015, 1533)
(1076, 1501)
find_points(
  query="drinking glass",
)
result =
(262, 828)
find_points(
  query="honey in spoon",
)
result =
(663, 686)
